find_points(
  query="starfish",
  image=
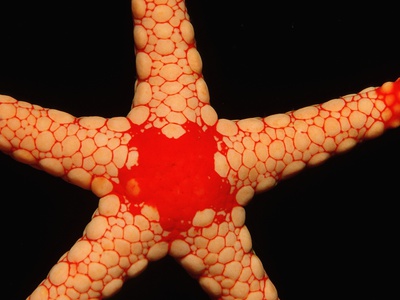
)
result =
(176, 229)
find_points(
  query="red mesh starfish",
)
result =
(225, 166)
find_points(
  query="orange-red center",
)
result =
(175, 176)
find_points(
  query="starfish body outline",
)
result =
(23, 156)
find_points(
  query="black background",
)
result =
(327, 233)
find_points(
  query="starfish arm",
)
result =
(258, 152)
(85, 151)
(218, 253)
(170, 90)
(35, 135)
(115, 245)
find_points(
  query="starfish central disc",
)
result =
(177, 177)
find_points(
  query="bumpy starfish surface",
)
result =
(151, 203)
